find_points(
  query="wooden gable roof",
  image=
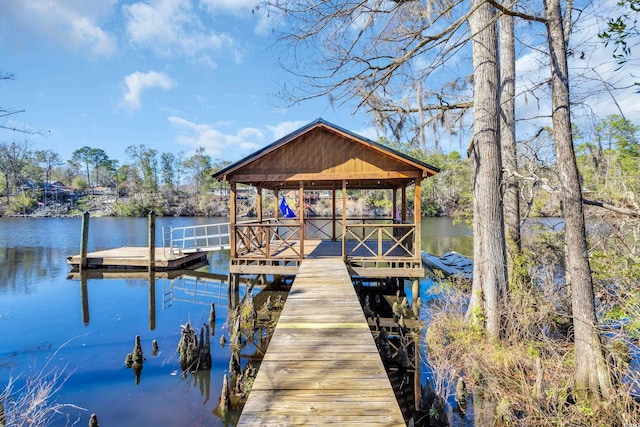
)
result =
(321, 155)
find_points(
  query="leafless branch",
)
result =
(617, 209)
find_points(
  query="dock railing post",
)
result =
(152, 241)
(84, 240)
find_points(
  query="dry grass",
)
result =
(34, 403)
(525, 377)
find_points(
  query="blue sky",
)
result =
(175, 75)
(171, 74)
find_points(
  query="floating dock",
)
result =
(322, 365)
(136, 258)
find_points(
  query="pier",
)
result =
(322, 365)
(136, 257)
(181, 247)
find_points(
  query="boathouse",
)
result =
(324, 159)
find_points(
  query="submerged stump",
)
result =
(212, 319)
(461, 394)
(384, 346)
(135, 359)
(225, 397)
(195, 355)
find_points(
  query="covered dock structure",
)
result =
(321, 366)
(323, 157)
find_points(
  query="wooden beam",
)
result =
(344, 219)
(333, 211)
(84, 240)
(301, 214)
(394, 203)
(417, 219)
(325, 176)
(232, 220)
(259, 204)
(403, 214)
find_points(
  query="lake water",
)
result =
(53, 321)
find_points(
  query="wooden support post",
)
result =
(262, 231)
(415, 291)
(301, 214)
(259, 204)
(276, 204)
(235, 290)
(417, 383)
(333, 211)
(344, 220)
(394, 203)
(417, 219)
(84, 240)
(152, 241)
(403, 213)
(229, 290)
(232, 220)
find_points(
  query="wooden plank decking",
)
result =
(322, 366)
(137, 257)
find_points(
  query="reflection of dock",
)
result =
(198, 288)
(322, 365)
(137, 257)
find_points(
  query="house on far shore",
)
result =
(108, 189)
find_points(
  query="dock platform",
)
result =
(137, 257)
(322, 366)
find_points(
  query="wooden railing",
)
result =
(268, 238)
(380, 240)
(375, 238)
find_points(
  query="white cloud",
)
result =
(173, 27)
(230, 5)
(75, 24)
(591, 67)
(137, 82)
(285, 128)
(232, 145)
(266, 22)
(369, 132)
(219, 144)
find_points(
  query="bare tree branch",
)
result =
(617, 209)
(505, 10)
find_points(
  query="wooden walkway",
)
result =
(322, 366)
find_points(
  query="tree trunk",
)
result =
(591, 376)
(510, 186)
(489, 273)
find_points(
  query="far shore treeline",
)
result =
(41, 183)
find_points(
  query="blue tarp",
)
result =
(285, 209)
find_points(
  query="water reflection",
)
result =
(41, 310)
(84, 296)
(23, 268)
(152, 300)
